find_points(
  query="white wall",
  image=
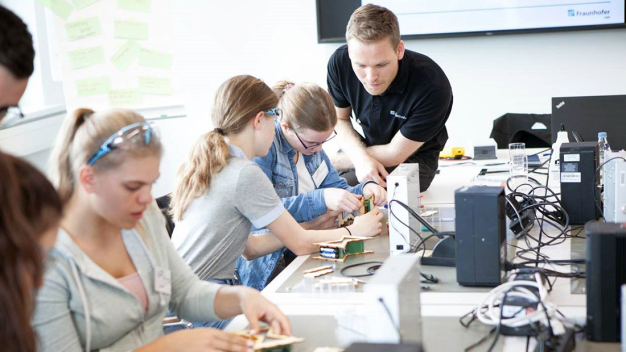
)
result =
(277, 39)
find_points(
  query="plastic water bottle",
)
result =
(603, 146)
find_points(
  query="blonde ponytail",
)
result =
(237, 101)
(81, 135)
(60, 162)
(281, 88)
(208, 157)
(306, 105)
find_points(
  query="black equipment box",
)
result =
(579, 188)
(606, 272)
(480, 235)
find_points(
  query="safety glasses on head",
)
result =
(137, 133)
(275, 112)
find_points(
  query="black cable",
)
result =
(408, 242)
(551, 213)
(370, 270)
(471, 314)
(380, 299)
(415, 215)
(480, 342)
(428, 277)
(495, 340)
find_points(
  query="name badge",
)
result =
(162, 280)
(320, 174)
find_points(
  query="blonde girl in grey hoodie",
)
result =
(115, 272)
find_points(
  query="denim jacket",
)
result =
(280, 167)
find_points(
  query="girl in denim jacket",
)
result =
(309, 186)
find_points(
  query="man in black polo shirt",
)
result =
(400, 98)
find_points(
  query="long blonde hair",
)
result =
(306, 105)
(237, 101)
(81, 135)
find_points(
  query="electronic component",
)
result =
(346, 218)
(606, 272)
(480, 235)
(614, 195)
(392, 296)
(268, 341)
(452, 153)
(403, 185)
(486, 151)
(623, 311)
(520, 226)
(340, 249)
(579, 187)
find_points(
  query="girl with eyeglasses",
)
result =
(30, 210)
(220, 193)
(115, 270)
(307, 183)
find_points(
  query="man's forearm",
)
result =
(384, 155)
(350, 142)
(341, 161)
(395, 152)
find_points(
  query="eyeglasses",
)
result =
(9, 115)
(315, 145)
(279, 112)
(137, 133)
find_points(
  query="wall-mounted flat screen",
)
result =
(436, 18)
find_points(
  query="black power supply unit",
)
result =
(480, 235)
(579, 187)
(606, 272)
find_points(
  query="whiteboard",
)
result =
(117, 53)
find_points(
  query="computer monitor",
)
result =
(590, 115)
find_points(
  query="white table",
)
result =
(446, 299)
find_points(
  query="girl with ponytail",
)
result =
(29, 219)
(115, 271)
(304, 178)
(220, 193)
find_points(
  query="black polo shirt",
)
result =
(417, 103)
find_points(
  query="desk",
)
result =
(316, 317)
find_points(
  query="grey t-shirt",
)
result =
(215, 227)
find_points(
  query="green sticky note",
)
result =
(134, 5)
(155, 59)
(83, 29)
(123, 97)
(155, 85)
(81, 4)
(58, 7)
(131, 30)
(81, 58)
(125, 55)
(93, 86)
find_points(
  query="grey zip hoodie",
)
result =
(82, 307)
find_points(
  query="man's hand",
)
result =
(370, 169)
